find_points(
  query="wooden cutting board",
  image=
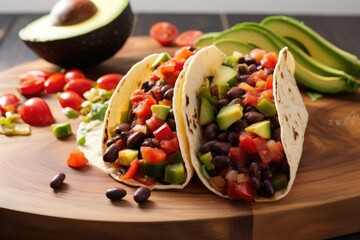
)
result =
(324, 201)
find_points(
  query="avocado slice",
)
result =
(228, 46)
(317, 47)
(206, 112)
(126, 156)
(206, 39)
(160, 111)
(82, 44)
(163, 57)
(228, 115)
(261, 129)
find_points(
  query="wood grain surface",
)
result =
(324, 201)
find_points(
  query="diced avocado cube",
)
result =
(223, 88)
(233, 59)
(153, 170)
(228, 115)
(261, 129)
(279, 181)
(204, 171)
(126, 156)
(205, 93)
(175, 173)
(226, 75)
(175, 158)
(206, 112)
(206, 160)
(163, 57)
(266, 107)
(70, 112)
(61, 130)
(160, 111)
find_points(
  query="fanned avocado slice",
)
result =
(85, 43)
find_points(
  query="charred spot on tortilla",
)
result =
(286, 118)
(282, 75)
(187, 100)
(295, 133)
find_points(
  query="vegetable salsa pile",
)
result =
(241, 154)
(145, 148)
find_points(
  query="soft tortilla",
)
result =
(120, 102)
(292, 113)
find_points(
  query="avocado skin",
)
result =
(89, 49)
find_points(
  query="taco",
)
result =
(245, 122)
(144, 140)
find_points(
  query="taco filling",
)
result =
(143, 147)
(240, 153)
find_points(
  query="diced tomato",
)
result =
(166, 102)
(237, 155)
(145, 180)
(246, 87)
(263, 150)
(120, 143)
(269, 82)
(163, 133)
(231, 192)
(255, 77)
(268, 94)
(276, 150)
(153, 155)
(156, 93)
(183, 53)
(251, 98)
(269, 60)
(131, 172)
(245, 191)
(179, 64)
(257, 54)
(168, 71)
(77, 159)
(141, 103)
(170, 146)
(246, 142)
(188, 38)
(154, 123)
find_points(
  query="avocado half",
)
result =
(84, 44)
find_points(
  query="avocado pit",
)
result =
(69, 12)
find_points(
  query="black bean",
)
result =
(242, 69)
(211, 131)
(274, 122)
(268, 188)
(135, 139)
(239, 125)
(165, 88)
(249, 108)
(142, 194)
(235, 92)
(57, 180)
(236, 101)
(124, 135)
(275, 134)
(222, 103)
(249, 60)
(207, 146)
(169, 94)
(221, 147)
(268, 71)
(233, 139)
(254, 170)
(252, 68)
(112, 140)
(148, 85)
(123, 127)
(259, 67)
(255, 183)
(111, 153)
(266, 174)
(221, 161)
(243, 78)
(170, 114)
(115, 193)
(222, 137)
(172, 124)
(151, 142)
(253, 116)
(241, 59)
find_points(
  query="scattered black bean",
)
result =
(124, 135)
(115, 193)
(164, 88)
(211, 131)
(252, 68)
(57, 180)
(172, 124)
(207, 146)
(142, 194)
(221, 161)
(123, 127)
(222, 137)
(249, 60)
(274, 122)
(268, 188)
(243, 78)
(111, 153)
(249, 108)
(266, 174)
(222, 103)
(254, 170)
(242, 69)
(135, 139)
(150, 142)
(236, 101)
(239, 125)
(254, 116)
(170, 114)
(169, 94)
(233, 139)
(255, 183)
(275, 134)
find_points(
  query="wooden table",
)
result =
(342, 31)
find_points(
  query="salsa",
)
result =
(145, 148)
(241, 153)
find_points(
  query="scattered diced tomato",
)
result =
(77, 159)
(183, 53)
(269, 150)
(246, 87)
(154, 123)
(141, 104)
(245, 191)
(269, 60)
(131, 172)
(251, 98)
(153, 155)
(257, 54)
(268, 94)
(237, 155)
(163, 133)
(276, 150)
(269, 82)
(231, 192)
(246, 142)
